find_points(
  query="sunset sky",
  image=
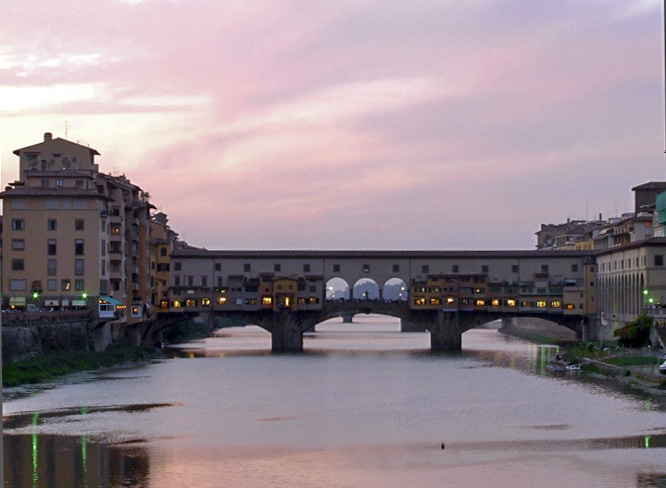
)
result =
(402, 124)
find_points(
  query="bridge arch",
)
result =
(337, 289)
(395, 289)
(366, 289)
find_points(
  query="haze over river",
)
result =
(363, 406)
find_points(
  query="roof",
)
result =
(63, 173)
(652, 185)
(37, 192)
(369, 254)
(654, 242)
(35, 147)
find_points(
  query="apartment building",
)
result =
(76, 237)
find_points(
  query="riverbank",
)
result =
(626, 369)
(53, 365)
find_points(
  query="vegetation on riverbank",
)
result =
(49, 366)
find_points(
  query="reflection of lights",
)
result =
(647, 441)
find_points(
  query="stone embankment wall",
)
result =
(27, 340)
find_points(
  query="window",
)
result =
(544, 268)
(454, 268)
(484, 268)
(51, 247)
(51, 224)
(574, 268)
(277, 268)
(218, 266)
(18, 224)
(17, 264)
(163, 253)
(396, 268)
(555, 304)
(247, 267)
(51, 267)
(78, 224)
(65, 285)
(425, 269)
(18, 244)
(514, 268)
(658, 260)
(78, 183)
(176, 281)
(58, 183)
(366, 268)
(336, 268)
(103, 247)
(204, 280)
(306, 268)
(78, 247)
(45, 183)
(177, 266)
(17, 285)
(541, 304)
(78, 285)
(51, 284)
(78, 267)
(190, 280)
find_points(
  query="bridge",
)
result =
(445, 292)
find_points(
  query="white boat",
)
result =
(662, 368)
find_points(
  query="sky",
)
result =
(348, 124)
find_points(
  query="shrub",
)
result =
(636, 333)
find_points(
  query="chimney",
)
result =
(47, 136)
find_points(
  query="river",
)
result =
(364, 406)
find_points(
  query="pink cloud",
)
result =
(347, 124)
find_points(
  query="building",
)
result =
(76, 237)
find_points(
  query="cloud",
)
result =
(414, 124)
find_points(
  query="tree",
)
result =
(636, 333)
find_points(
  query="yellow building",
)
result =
(75, 237)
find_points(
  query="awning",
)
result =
(79, 303)
(50, 303)
(104, 298)
(17, 301)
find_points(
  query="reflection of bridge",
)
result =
(449, 291)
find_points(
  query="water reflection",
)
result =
(367, 408)
(49, 461)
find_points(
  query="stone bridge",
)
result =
(287, 326)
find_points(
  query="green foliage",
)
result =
(49, 366)
(636, 333)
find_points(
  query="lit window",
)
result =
(222, 300)
(419, 301)
(176, 304)
(266, 300)
(450, 300)
(555, 304)
(435, 301)
(205, 301)
(511, 302)
(190, 302)
(569, 306)
(480, 303)
(541, 304)
(495, 302)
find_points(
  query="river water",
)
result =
(363, 406)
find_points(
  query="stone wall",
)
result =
(28, 340)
